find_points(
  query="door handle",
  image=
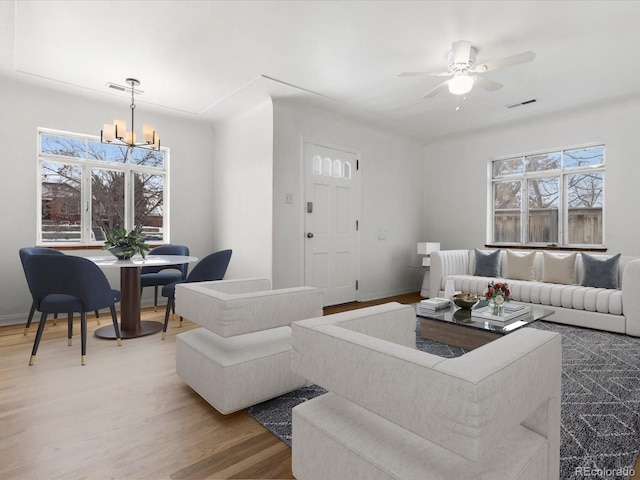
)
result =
(309, 235)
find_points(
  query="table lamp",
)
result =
(425, 248)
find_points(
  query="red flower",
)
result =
(495, 289)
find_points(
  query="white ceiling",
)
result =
(191, 55)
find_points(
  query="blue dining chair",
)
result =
(67, 284)
(153, 276)
(211, 267)
(24, 253)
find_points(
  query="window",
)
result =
(331, 168)
(552, 198)
(86, 187)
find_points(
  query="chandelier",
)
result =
(117, 134)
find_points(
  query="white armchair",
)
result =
(241, 356)
(393, 412)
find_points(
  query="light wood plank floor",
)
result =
(125, 415)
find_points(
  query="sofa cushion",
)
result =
(600, 273)
(455, 396)
(487, 264)
(363, 445)
(520, 266)
(577, 297)
(229, 314)
(234, 373)
(559, 268)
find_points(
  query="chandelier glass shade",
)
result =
(117, 133)
(460, 84)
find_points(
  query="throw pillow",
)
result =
(520, 266)
(487, 264)
(600, 273)
(559, 269)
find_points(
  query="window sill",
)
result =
(86, 247)
(548, 247)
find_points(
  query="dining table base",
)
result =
(131, 326)
(146, 327)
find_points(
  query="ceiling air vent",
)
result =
(520, 104)
(124, 88)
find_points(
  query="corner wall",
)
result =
(27, 107)
(242, 190)
(391, 197)
(456, 171)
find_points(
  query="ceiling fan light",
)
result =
(461, 84)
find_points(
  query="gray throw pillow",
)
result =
(600, 273)
(487, 264)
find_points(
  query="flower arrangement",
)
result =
(497, 293)
(499, 289)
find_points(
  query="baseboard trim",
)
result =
(379, 295)
(21, 318)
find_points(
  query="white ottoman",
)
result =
(236, 372)
(242, 355)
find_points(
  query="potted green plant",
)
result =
(125, 245)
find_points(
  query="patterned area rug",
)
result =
(600, 420)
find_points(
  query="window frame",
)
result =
(562, 174)
(86, 166)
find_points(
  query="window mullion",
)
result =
(85, 213)
(524, 209)
(563, 211)
(128, 203)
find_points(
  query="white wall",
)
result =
(391, 191)
(242, 190)
(25, 107)
(456, 178)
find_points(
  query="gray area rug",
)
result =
(600, 423)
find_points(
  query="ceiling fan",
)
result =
(463, 68)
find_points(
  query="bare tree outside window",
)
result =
(543, 210)
(60, 202)
(565, 196)
(109, 168)
(507, 215)
(107, 199)
(584, 197)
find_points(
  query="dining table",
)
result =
(131, 326)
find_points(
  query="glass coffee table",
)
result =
(455, 326)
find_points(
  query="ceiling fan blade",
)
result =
(461, 52)
(525, 57)
(436, 90)
(485, 83)
(424, 74)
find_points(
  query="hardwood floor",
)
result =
(125, 415)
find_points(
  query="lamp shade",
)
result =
(108, 132)
(461, 84)
(425, 248)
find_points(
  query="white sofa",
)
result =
(615, 310)
(393, 412)
(241, 356)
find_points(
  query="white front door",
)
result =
(331, 237)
